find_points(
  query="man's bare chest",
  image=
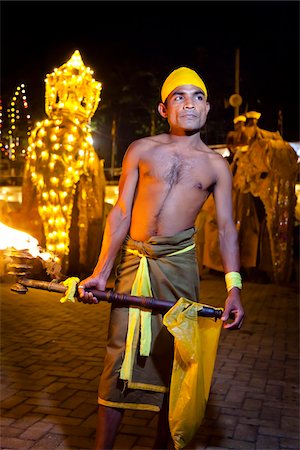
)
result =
(177, 170)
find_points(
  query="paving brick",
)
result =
(226, 420)
(287, 443)
(54, 387)
(81, 385)
(36, 431)
(267, 442)
(10, 432)
(259, 381)
(6, 421)
(72, 430)
(43, 402)
(252, 404)
(6, 392)
(243, 374)
(291, 410)
(230, 444)
(48, 442)
(209, 447)
(124, 441)
(52, 410)
(12, 401)
(28, 420)
(271, 423)
(90, 422)
(77, 442)
(62, 420)
(290, 423)
(207, 430)
(15, 443)
(34, 394)
(43, 380)
(278, 432)
(274, 392)
(212, 412)
(27, 385)
(144, 442)
(84, 410)
(73, 401)
(134, 421)
(19, 411)
(139, 431)
(246, 432)
(235, 396)
(220, 387)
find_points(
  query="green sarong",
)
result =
(173, 273)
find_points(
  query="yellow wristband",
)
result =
(233, 279)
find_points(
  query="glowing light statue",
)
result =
(63, 168)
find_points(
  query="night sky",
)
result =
(159, 36)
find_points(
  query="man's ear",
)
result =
(162, 109)
(207, 107)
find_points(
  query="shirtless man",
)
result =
(165, 181)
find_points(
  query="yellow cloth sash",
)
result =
(140, 319)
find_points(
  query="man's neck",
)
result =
(188, 138)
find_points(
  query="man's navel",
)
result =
(199, 186)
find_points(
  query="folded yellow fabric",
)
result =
(195, 348)
(137, 317)
(71, 284)
(140, 320)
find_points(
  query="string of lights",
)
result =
(14, 142)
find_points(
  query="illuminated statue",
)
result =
(63, 172)
(264, 200)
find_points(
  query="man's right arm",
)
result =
(117, 226)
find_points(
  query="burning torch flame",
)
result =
(19, 240)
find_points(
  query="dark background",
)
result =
(121, 40)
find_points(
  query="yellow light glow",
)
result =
(54, 180)
(61, 147)
(45, 155)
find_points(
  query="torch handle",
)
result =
(155, 304)
(117, 298)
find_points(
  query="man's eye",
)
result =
(200, 97)
(178, 97)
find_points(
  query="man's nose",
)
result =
(189, 104)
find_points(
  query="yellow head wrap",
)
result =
(239, 119)
(179, 77)
(253, 115)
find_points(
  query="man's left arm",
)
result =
(228, 240)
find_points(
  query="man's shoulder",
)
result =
(148, 142)
(211, 153)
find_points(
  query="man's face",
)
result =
(186, 109)
(239, 125)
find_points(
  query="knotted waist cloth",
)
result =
(173, 273)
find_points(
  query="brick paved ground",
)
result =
(52, 355)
